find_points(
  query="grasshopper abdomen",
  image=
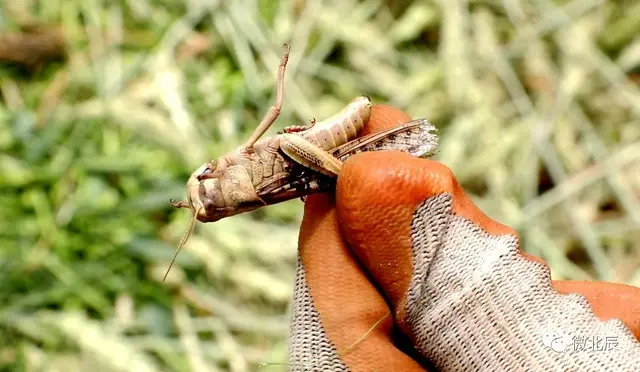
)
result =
(341, 128)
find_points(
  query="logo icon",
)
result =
(556, 340)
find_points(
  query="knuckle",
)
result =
(442, 176)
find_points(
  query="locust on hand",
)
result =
(298, 162)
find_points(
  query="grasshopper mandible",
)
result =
(301, 161)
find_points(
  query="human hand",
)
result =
(400, 238)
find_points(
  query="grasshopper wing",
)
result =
(416, 138)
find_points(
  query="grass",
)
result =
(537, 104)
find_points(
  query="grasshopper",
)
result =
(300, 161)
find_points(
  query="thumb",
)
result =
(378, 196)
(340, 320)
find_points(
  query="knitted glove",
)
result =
(400, 271)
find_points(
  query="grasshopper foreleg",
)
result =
(310, 155)
(299, 128)
(207, 172)
(274, 111)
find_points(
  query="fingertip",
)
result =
(384, 117)
(608, 300)
(379, 180)
(375, 181)
(377, 196)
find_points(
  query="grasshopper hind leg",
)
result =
(274, 111)
(309, 155)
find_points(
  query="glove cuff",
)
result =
(475, 303)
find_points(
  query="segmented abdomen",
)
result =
(343, 127)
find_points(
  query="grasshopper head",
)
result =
(197, 201)
(216, 190)
(205, 194)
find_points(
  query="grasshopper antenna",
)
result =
(179, 204)
(185, 237)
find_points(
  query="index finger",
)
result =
(332, 286)
(384, 117)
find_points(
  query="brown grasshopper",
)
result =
(301, 161)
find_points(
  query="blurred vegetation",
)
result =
(107, 107)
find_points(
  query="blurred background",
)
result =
(106, 107)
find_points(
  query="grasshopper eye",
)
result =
(208, 204)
